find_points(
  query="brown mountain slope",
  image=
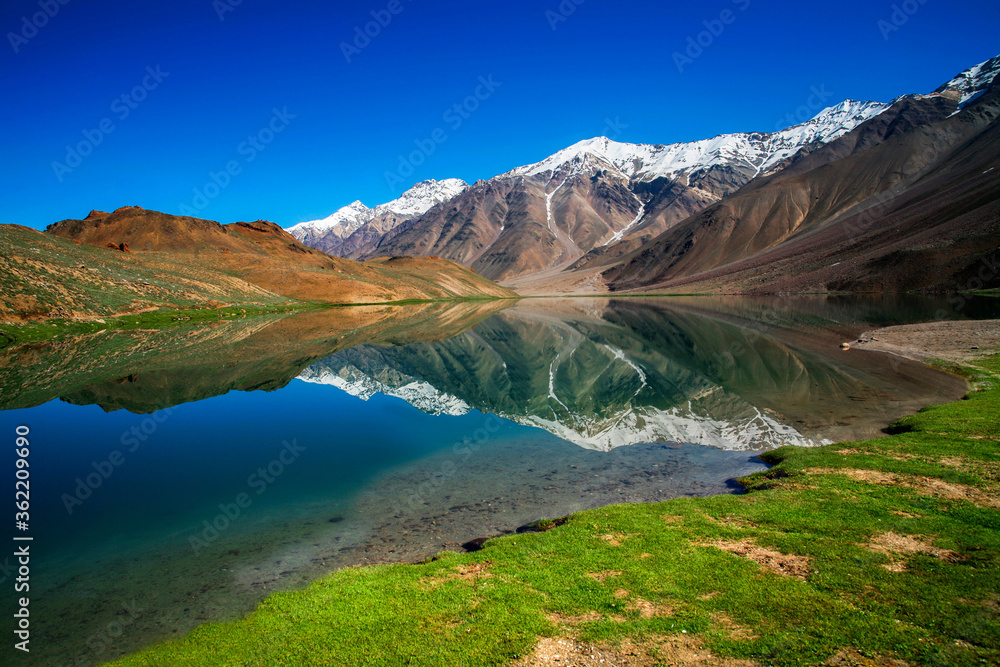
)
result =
(43, 276)
(185, 262)
(840, 198)
(942, 235)
(362, 241)
(513, 226)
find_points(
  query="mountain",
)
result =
(337, 226)
(134, 260)
(352, 230)
(603, 215)
(546, 215)
(757, 152)
(971, 83)
(909, 200)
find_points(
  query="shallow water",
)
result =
(180, 476)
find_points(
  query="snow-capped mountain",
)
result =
(757, 151)
(333, 231)
(543, 217)
(587, 206)
(973, 82)
(345, 221)
(422, 197)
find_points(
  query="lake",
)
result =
(179, 476)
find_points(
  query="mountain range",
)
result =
(865, 196)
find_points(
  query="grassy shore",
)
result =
(854, 554)
(56, 328)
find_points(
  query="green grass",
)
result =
(936, 479)
(55, 329)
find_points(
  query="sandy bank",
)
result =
(957, 341)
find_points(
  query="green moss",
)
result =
(936, 480)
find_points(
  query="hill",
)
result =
(163, 261)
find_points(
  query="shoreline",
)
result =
(955, 341)
(885, 467)
(56, 328)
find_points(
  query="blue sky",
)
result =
(264, 96)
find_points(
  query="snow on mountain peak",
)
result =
(749, 150)
(973, 82)
(351, 217)
(829, 124)
(422, 197)
(419, 199)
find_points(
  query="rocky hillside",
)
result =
(356, 230)
(909, 200)
(134, 260)
(598, 192)
(603, 215)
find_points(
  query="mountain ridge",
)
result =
(133, 261)
(549, 226)
(333, 233)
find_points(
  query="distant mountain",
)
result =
(339, 225)
(971, 83)
(909, 200)
(577, 220)
(549, 214)
(353, 229)
(756, 152)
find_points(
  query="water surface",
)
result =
(180, 476)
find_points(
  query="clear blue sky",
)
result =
(224, 77)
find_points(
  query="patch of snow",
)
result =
(416, 201)
(759, 151)
(351, 216)
(973, 82)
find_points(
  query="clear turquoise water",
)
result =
(380, 480)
